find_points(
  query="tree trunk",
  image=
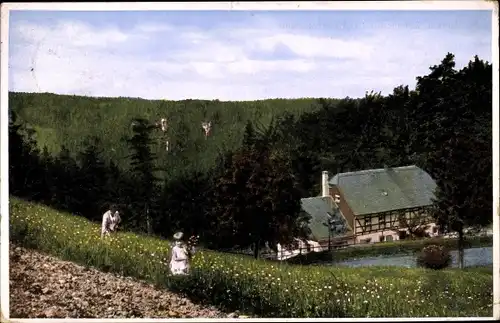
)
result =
(149, 226)
(256, 249)
(329, 239)
(461, 248)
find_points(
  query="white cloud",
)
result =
(317, 47)
(154, 60)
(152, 28)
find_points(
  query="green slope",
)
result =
(265, 288)
(69, 120)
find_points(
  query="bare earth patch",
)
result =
(44, 286)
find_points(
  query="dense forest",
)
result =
(242, 184)
(63, 121)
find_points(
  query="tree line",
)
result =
(248, 193)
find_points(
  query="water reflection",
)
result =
(472, 257)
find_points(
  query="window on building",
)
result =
(382, 222)
(386, 223)
(389, 238)
(368, 223)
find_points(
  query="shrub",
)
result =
(434, 257)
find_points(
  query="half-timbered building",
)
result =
(328, 226)
(383, 204)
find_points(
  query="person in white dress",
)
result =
(110, 221)
(180, 256)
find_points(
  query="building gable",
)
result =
(320, 209)
(383, 190)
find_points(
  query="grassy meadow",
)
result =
(263, 288)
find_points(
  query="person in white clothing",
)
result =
(180, 256)
(110, 221)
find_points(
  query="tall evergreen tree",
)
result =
(93, 191)
(257, 199)
(24, 160)
(453, 139)
(67, 179)
(143, 168)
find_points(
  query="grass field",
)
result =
(266, 289)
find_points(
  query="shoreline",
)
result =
(404, 247)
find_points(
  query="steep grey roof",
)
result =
(387, 189)
(320, 210)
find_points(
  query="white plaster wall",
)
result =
(375, 237)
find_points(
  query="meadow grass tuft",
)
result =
(264, 288)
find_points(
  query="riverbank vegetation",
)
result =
(402, 247)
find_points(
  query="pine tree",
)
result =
(143, 168)
(453, 139)
(92, 192)
(24, 161)
(257, 198)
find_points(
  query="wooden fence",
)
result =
(287, 253)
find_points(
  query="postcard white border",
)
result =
(410, 319)
(4, 167)
(496, 177)
(264, 5)
(313, 5)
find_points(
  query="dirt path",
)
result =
(43, 286)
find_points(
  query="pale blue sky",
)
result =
(236, 55)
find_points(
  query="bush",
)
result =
(262, 288)
(434, 257)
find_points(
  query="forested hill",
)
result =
(444, 126)
(70, 121)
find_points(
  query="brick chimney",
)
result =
(325, 187)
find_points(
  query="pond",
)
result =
(472, 257)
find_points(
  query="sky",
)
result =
(236, 55)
